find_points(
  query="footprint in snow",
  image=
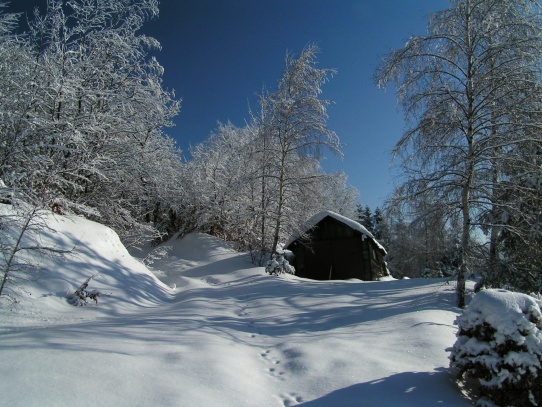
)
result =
(273, 371)
(291, 399)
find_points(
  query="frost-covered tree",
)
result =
(227, 194)
(420, 245)
(517, 258)
(466, 89)
(337, 195)
(295, 132)
(257, 184)
(404, 257)
(89, 110)
(221, 197)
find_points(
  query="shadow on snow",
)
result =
(419, 389)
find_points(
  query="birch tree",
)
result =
(464, 87)
(295, 131)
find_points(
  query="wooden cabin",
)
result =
(333, 247)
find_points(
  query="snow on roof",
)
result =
(312, 222)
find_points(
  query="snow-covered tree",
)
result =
(418, 245)
(467, 91)
(516, 263)
(256, 184)
(337, 195)
(295, 132)
(226, 194)
(88, 109)
(220, 196)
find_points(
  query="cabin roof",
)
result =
(312, 222)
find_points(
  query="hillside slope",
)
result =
(227, 335)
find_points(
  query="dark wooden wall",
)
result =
(335, 251)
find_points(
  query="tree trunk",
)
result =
(278, 220)
(279, 212)
(465, 243)
(469, 173)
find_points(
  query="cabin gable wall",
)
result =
(335, 251)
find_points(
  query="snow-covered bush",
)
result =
(82, 296)
(279, 265)
(499, 348)
(431, 273)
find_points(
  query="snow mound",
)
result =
(92, 250)
(197, 255)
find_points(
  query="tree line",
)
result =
(84, 115)
(257, 184)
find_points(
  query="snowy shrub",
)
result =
(279, 265)
(82, 296)
(430, 273)
(499, 348)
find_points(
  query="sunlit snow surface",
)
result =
(227, 335)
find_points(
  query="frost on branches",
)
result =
(499, 348)
(278, 265)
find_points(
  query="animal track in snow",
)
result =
(273, 371)
(249, 322)
(291, 399)
(243, 312)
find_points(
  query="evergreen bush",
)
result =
(498, 352)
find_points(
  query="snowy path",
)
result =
(232, 336)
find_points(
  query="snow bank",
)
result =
(92, 250)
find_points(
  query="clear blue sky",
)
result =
(218, 54)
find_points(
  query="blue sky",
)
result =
(218, 54)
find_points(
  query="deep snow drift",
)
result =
(227, 335)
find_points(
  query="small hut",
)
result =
(333, 247)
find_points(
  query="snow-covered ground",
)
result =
(226, 335)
